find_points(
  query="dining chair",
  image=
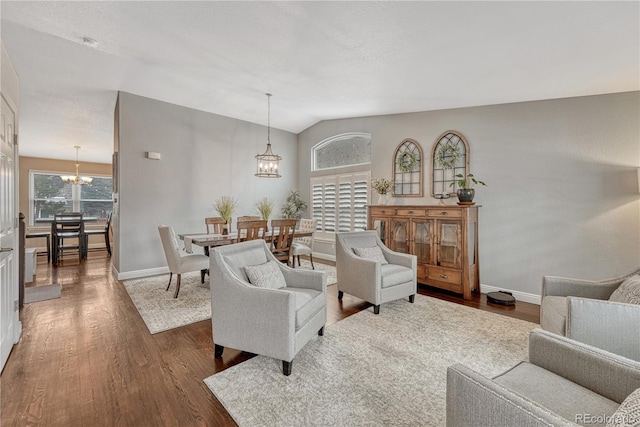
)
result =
(69, 226)
(177, 263)
(283, 231)
(304, 245)
(215, 224)
(249, 218)
(101, 232)
(251, 230)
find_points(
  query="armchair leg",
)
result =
(412, 298)
(217, 352)
(286, 367)
(376, 308)
(340, 295)
(170, 277)
(202, 273)
(298, 261)
(321, 331)
(311, 258)
(177, 286)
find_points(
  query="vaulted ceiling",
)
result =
(321, 60)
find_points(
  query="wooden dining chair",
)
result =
(105, 232)
(251, 230)
(282, 238)
(67, 226)
(249, 218)
(215, 225)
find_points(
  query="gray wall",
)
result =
(562, 195)
(204, 156)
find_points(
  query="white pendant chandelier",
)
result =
(267, 163)
(77, 179)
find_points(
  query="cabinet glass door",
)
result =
(380, 226)
(450, 243)
(399, 236)
(422, 240)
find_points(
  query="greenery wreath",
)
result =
(447, 156)
(407, 161)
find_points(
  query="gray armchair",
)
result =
(272, 322)
(370, 280)
(564, 383)
(580, 310)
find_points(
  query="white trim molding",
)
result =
(136, 274)
(519, 296)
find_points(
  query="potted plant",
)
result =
(226, 206)
(466, 192)
(265, 207)
(294, 205)
(383, 187)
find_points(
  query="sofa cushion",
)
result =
(308, 303)
(628, 414)
(628, 291)
(393, 274)
(558, 394)
(267, 275)
(554, 314)
(373, 253)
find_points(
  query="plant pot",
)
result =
(466, 194)
(383, 199)
(225, 229)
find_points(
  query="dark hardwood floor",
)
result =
(87, 358)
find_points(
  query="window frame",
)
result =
(76, 193)
(335, 139)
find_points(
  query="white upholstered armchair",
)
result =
(262, 306)
(177, 263)
(378, 274)
(581, 310)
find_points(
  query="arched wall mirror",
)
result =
(407, 169)
(450, 156)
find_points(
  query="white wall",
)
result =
(562, 195)
(204, 156)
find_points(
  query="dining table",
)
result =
(207, 241)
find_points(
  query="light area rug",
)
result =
(161, 312)
(41, 293)
(387, 369)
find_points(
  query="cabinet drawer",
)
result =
(444, 213)
(444, 275)
(383, 211)
(422, 271)
(420, 212)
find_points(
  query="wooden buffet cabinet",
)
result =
(443, 237)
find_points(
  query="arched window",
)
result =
(347, 149)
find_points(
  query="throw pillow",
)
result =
(628, 291)
(267, 275)
(374, 253)
(628, 414)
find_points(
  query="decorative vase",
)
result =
(225, 229)
(465, 195)
(383, 199)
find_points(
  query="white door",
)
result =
(10, 327)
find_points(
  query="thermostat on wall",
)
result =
(153, 155)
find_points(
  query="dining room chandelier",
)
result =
(77, 179)
(267, 163)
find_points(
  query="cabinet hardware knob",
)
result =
(443, 213)
(444, 276)
(410, 212)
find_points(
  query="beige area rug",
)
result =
(368, 370)
(161, 312)
(41, 293)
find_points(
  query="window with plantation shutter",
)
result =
(339, 203)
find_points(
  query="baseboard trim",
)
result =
(324, 256)
(520, 296)
(136, 274)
